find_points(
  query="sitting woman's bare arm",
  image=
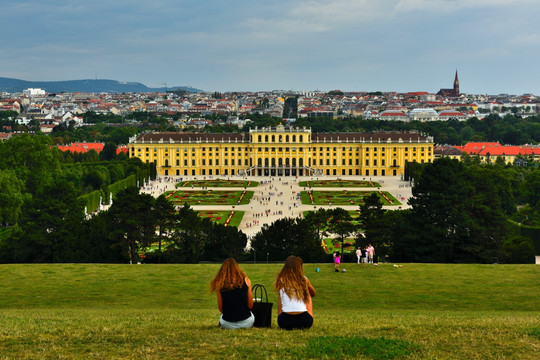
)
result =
(311, 289)
(249, 295)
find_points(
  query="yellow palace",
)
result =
(282, 151)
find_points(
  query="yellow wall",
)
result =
(281, 153)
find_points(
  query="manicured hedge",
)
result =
(92, 200)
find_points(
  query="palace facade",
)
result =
(282, 151)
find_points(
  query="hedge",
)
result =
(92, 200)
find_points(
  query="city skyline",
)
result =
(351, 45)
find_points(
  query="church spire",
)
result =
(456, 85)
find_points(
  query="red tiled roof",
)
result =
(82, 147)
(476, 147)
(510, 151)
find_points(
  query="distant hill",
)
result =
(87, 86)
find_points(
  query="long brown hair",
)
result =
(291, 279)
(229, 276)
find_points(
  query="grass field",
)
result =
(339, 183)
(344, 197)
(86, 311)
(209, 197)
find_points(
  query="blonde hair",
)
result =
(229, 277)
(292, 280)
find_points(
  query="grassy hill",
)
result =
(418, 311)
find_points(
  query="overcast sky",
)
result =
(352, 45)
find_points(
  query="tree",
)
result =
(318, 219)
(532, 184)
(288, 236)
(518, 250)
(164, 214)
(223, 242)
(50, 225)
(341, 224)
(187, 240)
(12, 197)
(456, 215)
(31, 159)
(374, 225)
(108, 152)
(132, 217)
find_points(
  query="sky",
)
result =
(250, 45)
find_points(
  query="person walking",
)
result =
(358, 255)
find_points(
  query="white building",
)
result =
(423, 114)
(33, 92)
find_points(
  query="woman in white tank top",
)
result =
(295, 307)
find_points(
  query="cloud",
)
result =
(307, 17)
(446, 6)
(527, 39)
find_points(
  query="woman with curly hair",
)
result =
(295, 309)
(233, 289)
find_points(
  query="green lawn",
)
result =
(217, 183)
(426, 311)
(344, 197)
(209, 197)
(339, 183)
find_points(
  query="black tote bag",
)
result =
(262, 310)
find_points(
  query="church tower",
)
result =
(456, 85)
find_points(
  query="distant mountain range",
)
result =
(87, 86)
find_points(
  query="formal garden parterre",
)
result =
(217, 183)
(209, 197)
(226, 217)
(339, 183)
(344, 197)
